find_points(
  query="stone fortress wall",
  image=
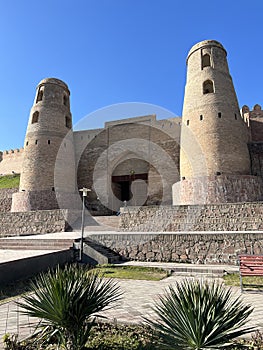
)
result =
(213, 155)
(129, 150)
(48, 150)
(214, 139)
(11, 161)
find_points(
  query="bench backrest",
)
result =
(251, 265)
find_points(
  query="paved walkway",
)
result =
(138, 299)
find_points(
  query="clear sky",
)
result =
(117, 51)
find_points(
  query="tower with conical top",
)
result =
(48, 169)
(214, 158)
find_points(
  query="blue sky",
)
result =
(117, 51)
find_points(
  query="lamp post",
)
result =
(84, 191)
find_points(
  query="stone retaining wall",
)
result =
(195, 248)
(6, 198)
(33, 222)
(215, 217)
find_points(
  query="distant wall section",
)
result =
(11, 161)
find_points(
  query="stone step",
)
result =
(112, 221)
(112, 256)
(98, 228)
(98, 223)
(35, 244)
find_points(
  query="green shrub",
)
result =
(198, 315)
(66, 301)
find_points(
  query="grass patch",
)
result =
(9, 181)
(132, 272)
(233, 279)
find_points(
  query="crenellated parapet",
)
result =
(12, 153)
(247, 114)
(11, 161)
(254, 120)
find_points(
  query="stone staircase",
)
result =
(95, 253)
(112, 221)
(98, 223)
(99, 254)
(35, 244)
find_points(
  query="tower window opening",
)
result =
(208, 87)
(206, 61)
(68, 122)
(39, 95)
(35, 117)
(187, 122)
(219, 114)
(27, 143)
(65, 100)
(36, 142)
(48, 142)
(201, 117)
(235, 116)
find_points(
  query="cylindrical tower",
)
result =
(214, 154)
(49, 134)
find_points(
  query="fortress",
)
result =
(213, 155)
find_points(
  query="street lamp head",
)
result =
(84, 191)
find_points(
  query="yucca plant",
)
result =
(197, 315)
(66, 301)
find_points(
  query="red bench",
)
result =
(250, 265)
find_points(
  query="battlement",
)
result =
(247, 114)
(11, 161)
(11, 152)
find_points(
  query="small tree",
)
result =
(198, 315)
(65, 300)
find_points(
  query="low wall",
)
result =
(6, 198)
(23, 268)
(213, 217)
(33, 222)
(195, 248)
